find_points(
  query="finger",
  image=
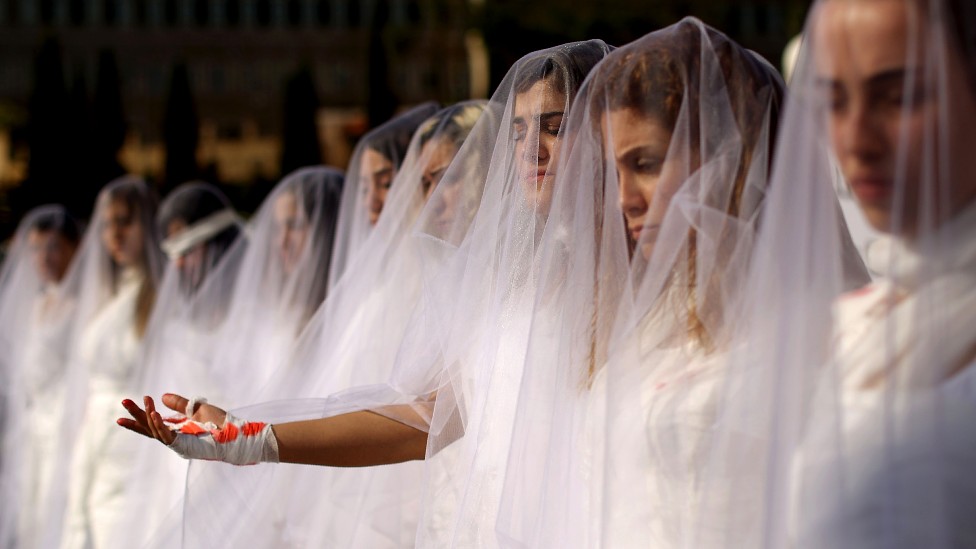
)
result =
(165, 435)
(133, 426)
(150, 410)
(177, 403)
(136, 412)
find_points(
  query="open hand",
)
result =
(149, 423)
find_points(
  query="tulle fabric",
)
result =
(643, 259)
(475, 276)
(193, 302)
(351, 341)
(33, 346)
(390, 141)
(467, 341)
(113, 302)
(845, 417)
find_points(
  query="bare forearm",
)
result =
(357, 439)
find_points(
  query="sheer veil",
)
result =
(372, 169)
(113, 283)
(36, 322)
(474, 242)
(858, 405)
(204, 243)
(338, 349)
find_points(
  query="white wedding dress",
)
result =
(104, 453)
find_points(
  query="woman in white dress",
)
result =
(115, 278)
(33, 345)
(340, 349)
(203, 242)
(497, 245)
(668, 175)
(861, 406)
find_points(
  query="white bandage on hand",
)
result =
(238, 442)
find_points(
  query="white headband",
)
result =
(201, 231)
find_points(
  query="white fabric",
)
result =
(199, 232)
(114, 302)
(847, 417)
(390, 140)
(237, 441)
(33, 345)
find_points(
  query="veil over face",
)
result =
(643, 258)
(281, 282)
(203, 239)
(33, 346)
(350, 341)
(497, 188)
(198, 226)
(858, 405)
(372, 169)
(113, 283)
(461, 350)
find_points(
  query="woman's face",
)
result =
(291, 230)
(376, 176)
(647, 177)
(438, 153)
(52, 254)
(882, 108)
(537, 130)
(122, 234)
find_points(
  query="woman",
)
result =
(204, 244)
(115, 278)
(372, 168)
(34, 349)
(860, 406)
(638, 306)
(497, 244)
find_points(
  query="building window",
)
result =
(76, 12)
(294, 13)
(171, 13)
(233, 13)
(110, 13)
(353, 15)
(47, 12)
(264, 13)
(201, 13)
(324, 12)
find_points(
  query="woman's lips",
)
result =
(637, 230)
(871, 188)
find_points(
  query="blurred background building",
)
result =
(238, 92)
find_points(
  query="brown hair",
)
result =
(137, 198)
(658, 74)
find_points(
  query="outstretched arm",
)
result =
(356, 439)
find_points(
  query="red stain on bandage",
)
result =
(226, 434)
(252, 428)
(190, 428)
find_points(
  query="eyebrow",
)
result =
(879, 79)
(544, 116)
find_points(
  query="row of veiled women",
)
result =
(616, 305)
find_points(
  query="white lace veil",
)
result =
(370, 179)
(846, 417)
(33, 346)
